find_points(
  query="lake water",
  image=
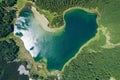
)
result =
(56, 48)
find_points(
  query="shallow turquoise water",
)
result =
(58, 48)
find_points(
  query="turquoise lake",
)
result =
(56, 48)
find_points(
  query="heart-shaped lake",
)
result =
(56, 48)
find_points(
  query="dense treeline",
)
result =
(7, 14)
(8, 71)
(94, 63)
(8, 53)
(59, 7)
(57, 21)
(94, 66)
(8, 50)
(9, 3)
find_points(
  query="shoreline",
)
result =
(95, 11)
(47, 28)
(78, 52)
(53, 30)
(45, 23)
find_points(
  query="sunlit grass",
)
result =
(21, 4)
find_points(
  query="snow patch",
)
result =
(22, 70)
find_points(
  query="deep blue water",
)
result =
(57, 49)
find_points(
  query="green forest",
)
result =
(8, 48)
(59, 6)
(7, 14)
